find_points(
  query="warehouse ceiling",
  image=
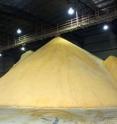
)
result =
(29, 15)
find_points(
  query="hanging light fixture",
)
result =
(23, 48)
(0, 54)
(19, 31)
(105, 27)
(71, 11)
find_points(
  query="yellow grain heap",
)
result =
(111, 64)
(59, 75)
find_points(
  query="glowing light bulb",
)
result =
(105, 27)
(71, 11)
(23, 48)
(0, 54)
(19, 31)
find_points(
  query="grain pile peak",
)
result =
(59, 75)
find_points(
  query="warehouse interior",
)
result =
(58, 62)
(41, 17)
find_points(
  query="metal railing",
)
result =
(72, 24)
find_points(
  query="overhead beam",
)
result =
(86, 5)
(77, 2)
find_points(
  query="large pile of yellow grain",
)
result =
(59, 75)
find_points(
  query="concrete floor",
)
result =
(71, 116)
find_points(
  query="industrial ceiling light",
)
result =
(19, 31)
(106, 27)
(71, 11)
(23, 48)
(0, 54)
